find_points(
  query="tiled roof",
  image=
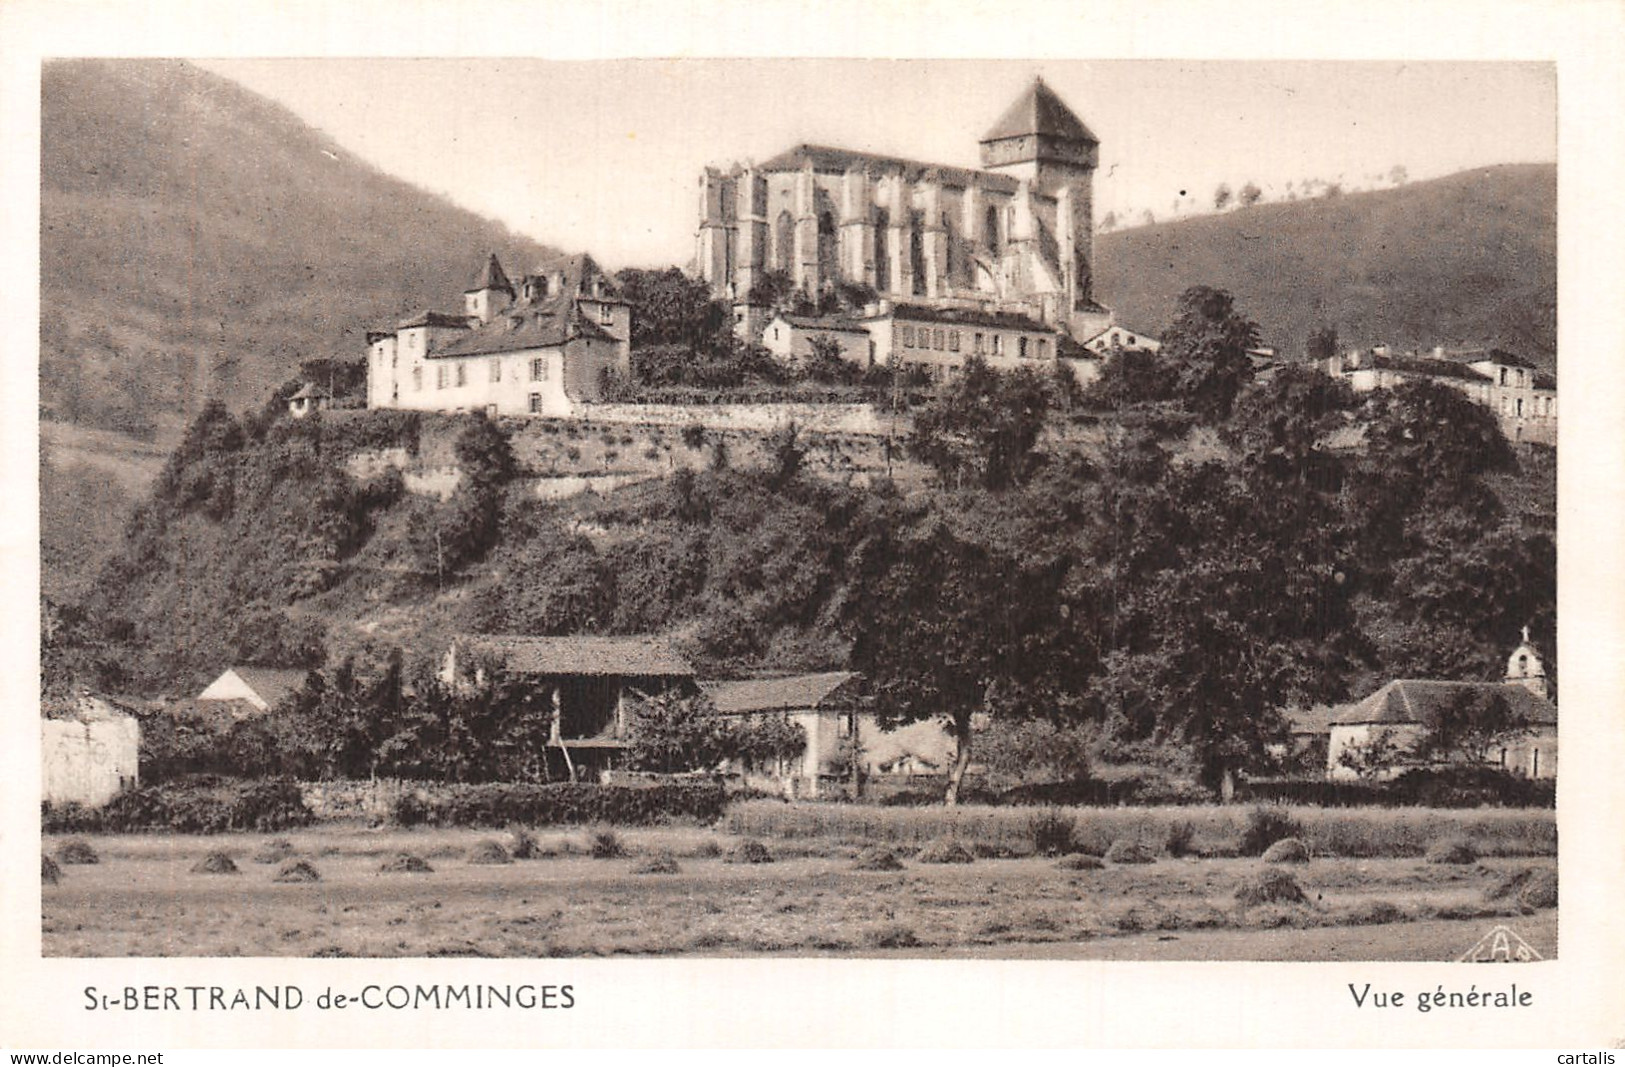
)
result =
(492, 277)
(514, 330)
(1545, 381)
(809, 322)
(1009, 320)
(801, 691)
(827, 160)
(1504, 358)
(1040, 111)
(1433, 368)
(434, 318)
(625, 656)
(1410, 700)
(578, 269)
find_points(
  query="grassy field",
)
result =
(1212, 830)
(143, 898)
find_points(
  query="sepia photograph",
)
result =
(863, 525)
(1006, 509)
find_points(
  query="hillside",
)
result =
(199, 241)
(1467, 259)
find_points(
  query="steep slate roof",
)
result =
(1009, 320)
(626, 656)
(578, 268)
(434, 318)
(536, 328)
(827, 160)
(1040, 111)
(798, 692)
(492, 277)
(1504, 358)
(1409, 700)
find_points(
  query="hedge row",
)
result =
(499, 804)
(202, 805)
(1464, 787)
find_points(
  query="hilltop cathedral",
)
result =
(1013, 240)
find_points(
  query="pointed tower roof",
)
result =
(492, 277)
(1040, 111)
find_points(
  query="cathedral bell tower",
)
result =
(1041, 142)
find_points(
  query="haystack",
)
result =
(1270, 886)
(489, 851)
(659, 863)
(76, 850)
(1287, 850)
(877, 859)
(297, 871)
(406, 863)
(945, 850)
(215, 863)
(1125, 850)
(274, 851)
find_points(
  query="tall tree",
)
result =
(985, 424)
(954, 624)
(1207, 347)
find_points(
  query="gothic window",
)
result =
(990, 229)
(882, 250)
(916, 256)
(784, 242)
(949, 244)
(826, 246)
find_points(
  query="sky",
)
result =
(604, 155)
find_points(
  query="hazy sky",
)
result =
(604, 156)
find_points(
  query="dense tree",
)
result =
(673, 309)
(1250, 194)
(1207, 348)
(1222, 197)
(1321, 344)
(954, 624)
(1469, 726)
(985, 424)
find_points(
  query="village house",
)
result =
(536, 348)
(247, 690)
(1399, 711)
(1522, 397)
(792, 338)
(591, 683)
(1016, 236)
(1118, 337)
(90, 752)
(309, 398)
(825, 706)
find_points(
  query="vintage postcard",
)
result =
(667, 539)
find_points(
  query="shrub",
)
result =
(1080, 862)
(751, 851)
(1265, 826)
(406, 863)
(489, 852)
(606, 845)
(204, 804)
(1287, 850)
(215, 863)
(49, 872)
(1270, 885)
(570, 803)
(297, 871)
(1181, 837)
(76, 851)
(1125, 850)
(945, 850)
(1052, 831)
(877, 859)
(1452, 850)
(659, 863)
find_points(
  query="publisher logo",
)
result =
(1501, 945)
